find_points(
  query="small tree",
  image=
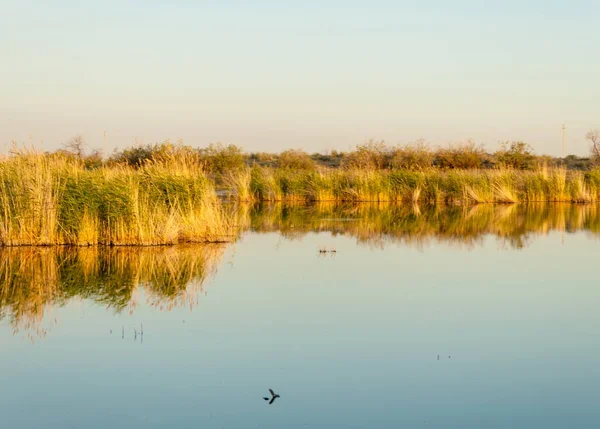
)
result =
(76, 146)
(594, 137)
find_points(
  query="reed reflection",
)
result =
(33, 279)
(381, 224)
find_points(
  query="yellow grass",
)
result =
(53, 199)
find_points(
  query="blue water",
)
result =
(349, 340)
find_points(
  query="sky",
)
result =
(315, 75)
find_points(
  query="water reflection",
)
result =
(34, 279)
(452, 338)
(381, 224)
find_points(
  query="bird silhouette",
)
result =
(273, 397)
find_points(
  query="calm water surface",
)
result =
(507, 297)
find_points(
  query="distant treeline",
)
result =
(373, 155)
(374, 171)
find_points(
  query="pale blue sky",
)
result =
(270, 75)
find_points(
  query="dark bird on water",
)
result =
(273, 397)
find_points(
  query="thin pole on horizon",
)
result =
(105, 151)
(564, 130)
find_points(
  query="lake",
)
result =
(364, 316)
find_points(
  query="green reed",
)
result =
(54, 199)
(428, 186)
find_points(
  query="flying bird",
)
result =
(273, 397)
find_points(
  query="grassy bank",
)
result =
(60, 199)
(429, 186)
(54, 199)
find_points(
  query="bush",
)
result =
(263, 158)
(139, 156)
(220, 159)
(516, 154)
(134, 156)
(295, 159)
(93, 161)
(573, 162)
(373, 155)
(332, 159)
(462, 156)
(415, 156)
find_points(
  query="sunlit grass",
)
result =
(428, 186)
(53, 199)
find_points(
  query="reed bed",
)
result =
(430, 186)
(54, 199)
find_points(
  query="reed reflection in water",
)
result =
(381, 224)
(34, 279)
(520, 325)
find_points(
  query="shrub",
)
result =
(134, 156)
(462, 156)
(516, 154)
(263, 158)
(219, 159)
(93, 161)
(373, 155)
(415, 156)
(295, 159)
(573, 162)
(138, 156)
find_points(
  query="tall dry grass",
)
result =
(427, 186)
(54, 199)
